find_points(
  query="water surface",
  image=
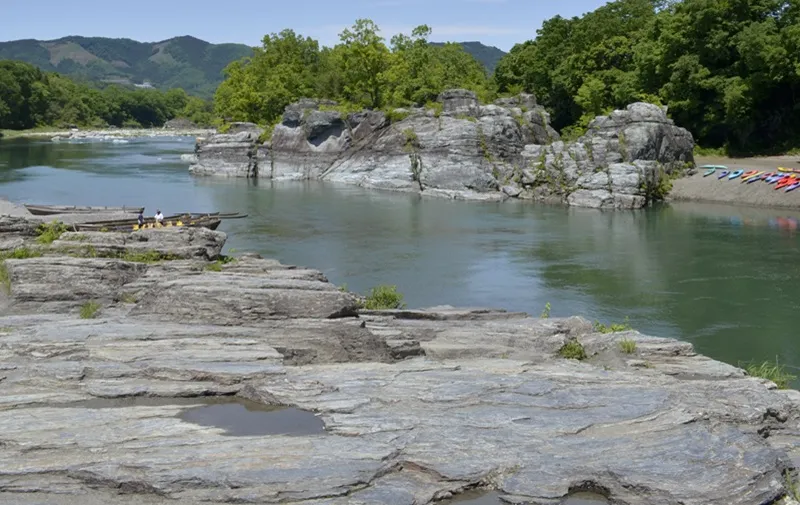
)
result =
(723, 278)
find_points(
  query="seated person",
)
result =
(159, 217)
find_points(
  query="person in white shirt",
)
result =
(159, 217)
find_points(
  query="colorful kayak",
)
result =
(710, 171)
(750, 173)
(793, 186)
(789, 170)
(724, 173)
(774, 178)
(735, 174)
(785, 182)
(722, 167)
(760, 177)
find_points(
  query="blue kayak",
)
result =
(736, 174)
(710, 171)
(723, 167)
(793, 186)
(723, 174)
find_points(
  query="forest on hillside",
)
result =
(30, 97)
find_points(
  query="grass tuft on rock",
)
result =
(573, 350)
(384, 297)
(546, 312)
(627, 346)
(613, 327)
(774, 372)
(50, 232)
(89, 310)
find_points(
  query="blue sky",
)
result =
(501, 23)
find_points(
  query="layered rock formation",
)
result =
(418, 405)
(466, 150)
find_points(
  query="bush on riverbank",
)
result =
(383, 298)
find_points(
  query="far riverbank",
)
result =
(105, 133)
(712, 189)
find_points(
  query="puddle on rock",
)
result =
(237, 416)
(585, 499)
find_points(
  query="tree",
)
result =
(364, 60)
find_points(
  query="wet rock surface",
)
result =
(466, 151)
(417, 405)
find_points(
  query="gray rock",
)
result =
(63, 283)
(231, 154)
(174, 243)
(417, 404)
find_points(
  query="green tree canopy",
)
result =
(361, 71)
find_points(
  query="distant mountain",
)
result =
(489, 56)
(182, 62)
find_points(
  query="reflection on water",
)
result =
(687, 270)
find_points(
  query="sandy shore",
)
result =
(711, 189)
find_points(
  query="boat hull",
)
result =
(48, 210)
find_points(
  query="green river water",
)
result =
(723, 278)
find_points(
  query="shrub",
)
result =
(50, 232)
(612, 328)
(384, 297)
(546, 311)
(572, 350)
(89, 310)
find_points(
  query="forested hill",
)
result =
(181, 62)
(488, 56)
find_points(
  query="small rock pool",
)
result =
(237, 416)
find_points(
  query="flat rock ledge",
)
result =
(418, 405)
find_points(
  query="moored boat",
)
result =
(46, 210)
(212, 223)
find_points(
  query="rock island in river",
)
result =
(116, 367)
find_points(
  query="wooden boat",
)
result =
(149, 220)
(212, 223)
(46, 210)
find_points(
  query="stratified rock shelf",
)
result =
(418, 405)
(465, 150)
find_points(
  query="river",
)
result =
(721, 277)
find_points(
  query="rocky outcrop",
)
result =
(623, 161)
(230, 154)
(466, 150)
(417, 405)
